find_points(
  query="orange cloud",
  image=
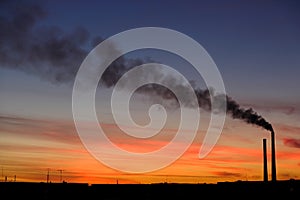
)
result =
(30, 147)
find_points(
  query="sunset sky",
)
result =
(255, 45)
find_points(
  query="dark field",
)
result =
(243, 190)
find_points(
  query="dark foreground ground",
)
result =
(235, 190)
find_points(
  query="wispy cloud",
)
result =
(49, 130)
(30, 146)
(285, 128)
(227, 174)
(291, 142)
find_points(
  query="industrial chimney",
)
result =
(273, 156)
(265, 160)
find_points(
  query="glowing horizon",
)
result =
(35, 146)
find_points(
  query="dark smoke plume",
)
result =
(205, 98)
(55, 56)
(247, 115)
(47, 51)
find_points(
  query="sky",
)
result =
(254, 44)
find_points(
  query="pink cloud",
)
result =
(291, 142)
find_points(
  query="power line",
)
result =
(60, 170)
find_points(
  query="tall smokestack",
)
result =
(265, 159)
(273, 156)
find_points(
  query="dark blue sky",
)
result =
(255, 44)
